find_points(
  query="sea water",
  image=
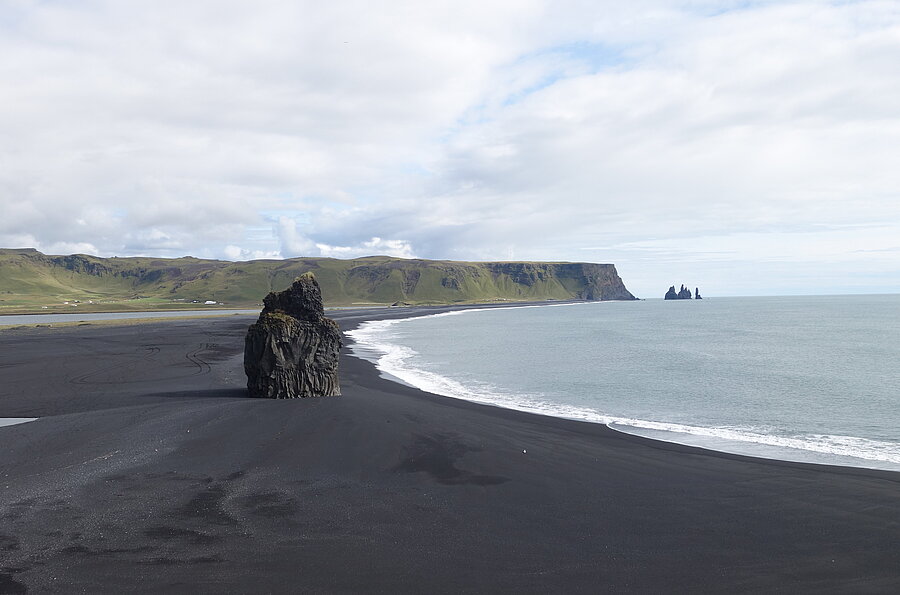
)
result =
(16, 319)
(814, 379)
(12, 421)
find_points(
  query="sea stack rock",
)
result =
(292, 350)
(683, 294)
(697, 293)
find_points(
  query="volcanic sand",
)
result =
(150, 470)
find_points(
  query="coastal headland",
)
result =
(150, 470)
(32, 282)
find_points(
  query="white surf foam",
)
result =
(829, 449)
(378, 342)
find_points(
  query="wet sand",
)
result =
(150, 470)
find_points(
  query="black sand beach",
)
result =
(150, 471)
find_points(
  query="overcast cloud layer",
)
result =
(745, 147)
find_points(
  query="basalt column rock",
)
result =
(292, 350)
(683, 294)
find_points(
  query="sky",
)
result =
(748, 148)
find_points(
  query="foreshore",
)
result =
(150, 470)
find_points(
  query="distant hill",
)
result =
(32, 281)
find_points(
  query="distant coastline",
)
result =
(32, 282)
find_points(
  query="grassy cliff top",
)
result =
(34, 282)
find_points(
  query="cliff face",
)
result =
(601, 282)
(370, 280)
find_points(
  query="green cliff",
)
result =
(32, 281)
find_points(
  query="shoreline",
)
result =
(658, 442)
(34, 319)
(758, 446)
(135, 317)
(151, 470)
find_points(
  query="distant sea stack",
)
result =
(292, 350)
(683, 294)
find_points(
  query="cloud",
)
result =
(706, 132)
(236, 253)
(375, 246)
(295, 243)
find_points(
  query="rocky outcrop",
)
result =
(292, 350)
(683, 294)
(80, 263)
(697, 293)
(601, 281)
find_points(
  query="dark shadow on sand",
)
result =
(228, 393)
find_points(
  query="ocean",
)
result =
(812, 379)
